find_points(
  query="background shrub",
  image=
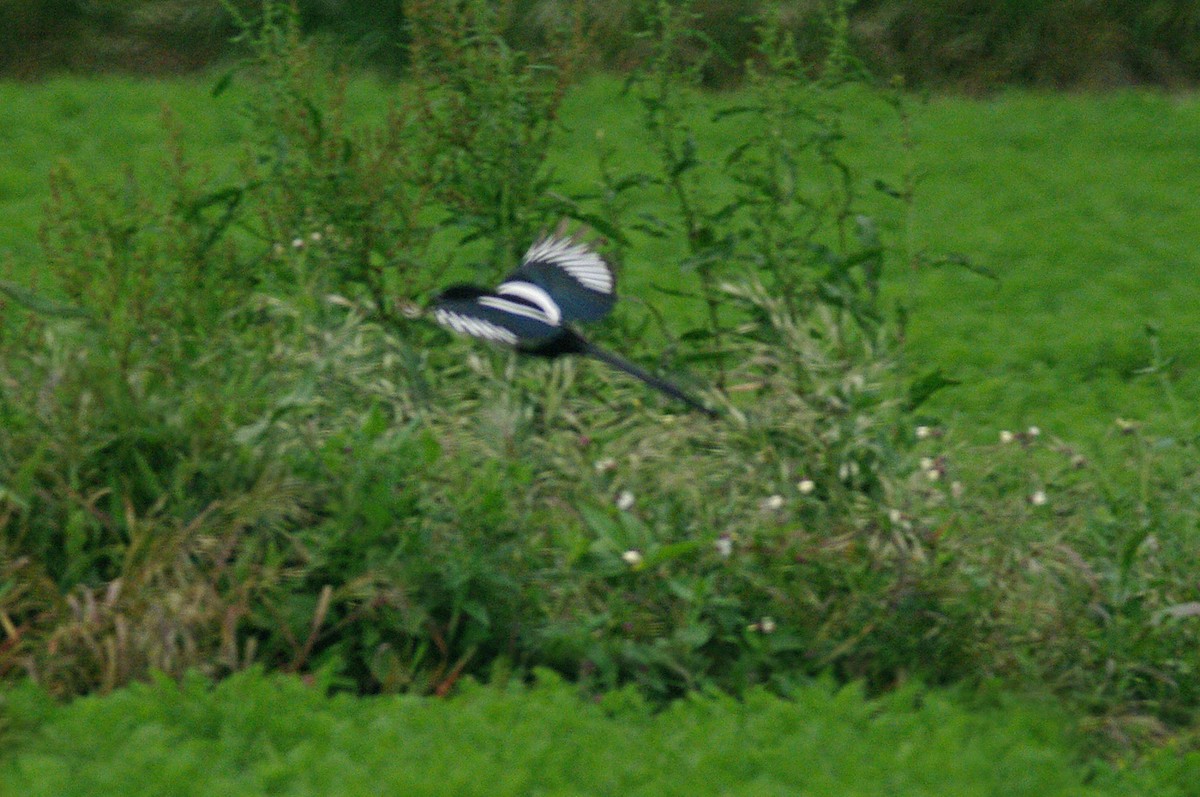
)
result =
(961, 43)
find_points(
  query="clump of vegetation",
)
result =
(255, 732)
(225, 438)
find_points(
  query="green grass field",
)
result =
(1078, 203)
(258, 735)
(1081, 204)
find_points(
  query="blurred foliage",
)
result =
(226, 439)
(972, 44)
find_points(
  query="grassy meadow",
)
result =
(1079, 204)
(227, 444)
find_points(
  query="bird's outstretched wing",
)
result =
(473, 311)
(564, 276)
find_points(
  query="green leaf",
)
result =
(712, 355)
(7, 495)
(694, 636)
(224, 196)
(674, 550)
(674, 292)
(600, 522)
(925, 386)
(687, 159)
(737, 110)
(888, 189)
(375, 424)
(961, 261)
(223, 83)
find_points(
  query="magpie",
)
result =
(560, 280)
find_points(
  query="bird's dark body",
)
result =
(566, 342)
(560, 280)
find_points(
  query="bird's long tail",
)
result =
(621, 364)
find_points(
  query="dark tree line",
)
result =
(972, 44)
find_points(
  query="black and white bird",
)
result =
(560, 280)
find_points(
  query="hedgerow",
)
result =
(255, 733)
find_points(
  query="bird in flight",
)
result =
(560, 280)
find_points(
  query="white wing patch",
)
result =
(577, 259)
(547, 310)
(518, 308)
(475, 327)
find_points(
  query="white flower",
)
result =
(724, 546)
(625, 501)
(1033, 431)
(767, 625)
(1038, 498)
(923, 432)
(633, 557)
(806, 486)
(895, 515)
(933, 474)
(605, 465)
(297, 243)
(927, 463)
(315, 236)
(774, 502)
(1006, 436)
